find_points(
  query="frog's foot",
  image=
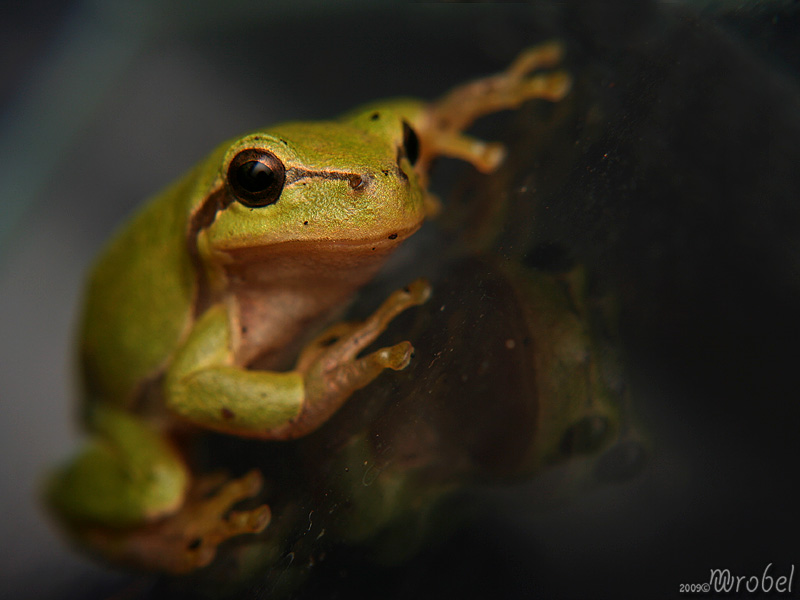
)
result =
(339, 344)
(332, 371)
(451, 115)
(188, 539)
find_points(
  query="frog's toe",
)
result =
(395, 357)
(551, 86)
(201, 546)
(538, 57)
(560, 84)
(250, 521)
(196, 556)
(418, 291)
(250, 483)
(204, 523)
(488, 156)
(212, 510)
(361, 371)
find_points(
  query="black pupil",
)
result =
(255, 176)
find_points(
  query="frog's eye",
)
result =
(410, 143)
(256, 177)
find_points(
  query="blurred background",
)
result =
(683, 198)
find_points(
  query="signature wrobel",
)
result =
(723, 581)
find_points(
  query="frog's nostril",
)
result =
(357, 182)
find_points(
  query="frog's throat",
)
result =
(319, 254)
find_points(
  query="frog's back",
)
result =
(139, 298)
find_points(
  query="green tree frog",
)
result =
(197, 307)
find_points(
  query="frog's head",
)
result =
(346, 184)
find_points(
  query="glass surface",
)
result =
(668, 176)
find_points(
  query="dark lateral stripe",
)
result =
(295, 174)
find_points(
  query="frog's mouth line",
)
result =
(313, 247)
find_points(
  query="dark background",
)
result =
(681, 197)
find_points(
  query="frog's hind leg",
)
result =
(126, 473)
(188, 539)
(129, 498)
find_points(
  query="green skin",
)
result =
(273, 252)
(148, 278)
(201, 285)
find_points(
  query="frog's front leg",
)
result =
(204, 385)
(446, 119)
